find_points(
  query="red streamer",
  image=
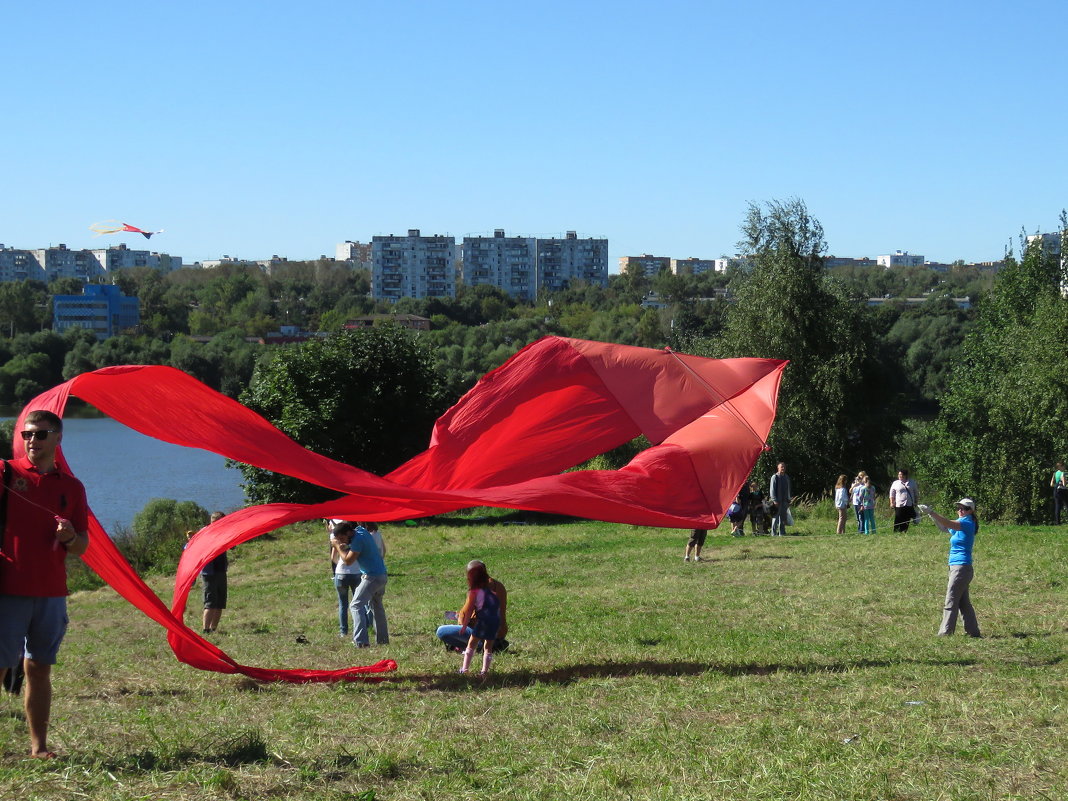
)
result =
(506, 443)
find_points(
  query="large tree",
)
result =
(1001, 423)
(839, 400)
(368, 398)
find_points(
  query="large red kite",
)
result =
(506, 443)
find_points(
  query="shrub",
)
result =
(158, 536)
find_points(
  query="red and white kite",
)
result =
(117, 227)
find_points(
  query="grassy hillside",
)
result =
(789, 668)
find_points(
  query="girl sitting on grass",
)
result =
(482, 613)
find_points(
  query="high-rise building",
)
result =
(506, 262)
(562, 261)
(358, 254)
(413, 266)
(45, 264)
(693, 266)
(649, 266)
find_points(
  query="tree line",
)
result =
(867, 388)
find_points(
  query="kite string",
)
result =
(718, 397)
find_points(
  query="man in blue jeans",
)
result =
(363, 548)
(779, 494)
(456, 637)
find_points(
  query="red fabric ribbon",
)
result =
(506, 443)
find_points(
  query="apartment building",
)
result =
(45, 264)
(900, 258)
(413, 266)
(506, 262)
(692, 266)
(562, 261)
(101, 308)
(645, 264)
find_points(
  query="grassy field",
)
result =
(782, 668)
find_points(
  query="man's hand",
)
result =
(65, 532)
(925, 508)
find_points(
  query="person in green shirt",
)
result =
(1060, 492)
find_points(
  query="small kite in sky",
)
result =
(116, 227)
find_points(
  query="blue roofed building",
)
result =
(101, 308)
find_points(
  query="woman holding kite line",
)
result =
(962, 533)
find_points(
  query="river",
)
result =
(123, 470)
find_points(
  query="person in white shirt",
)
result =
(903, 500)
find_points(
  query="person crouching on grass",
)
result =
(482, 613)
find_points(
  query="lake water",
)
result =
(123, 470)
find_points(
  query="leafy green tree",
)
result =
(368, 398)
(838, 407)
(159, 532)
(22, 306)
(999, 430)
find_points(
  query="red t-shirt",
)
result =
(34, 563)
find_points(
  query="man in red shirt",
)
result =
(47, 518)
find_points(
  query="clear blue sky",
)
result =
(255, 128)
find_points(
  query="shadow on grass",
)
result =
(124, 691)
(620, 670)
(514, 518)
(246, 747)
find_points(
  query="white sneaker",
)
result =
(697, 558)
(686, 559)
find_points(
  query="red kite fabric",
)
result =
(552, 406)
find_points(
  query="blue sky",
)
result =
(260, 128)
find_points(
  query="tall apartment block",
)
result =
(561, 261)
(509, 263)
(694, 266)
(358, 254)
(649, 266)
(45, 264)
(413, 266)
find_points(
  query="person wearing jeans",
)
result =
(347, 576)
(363, 548)
(779, 494)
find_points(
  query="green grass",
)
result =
(789, 668)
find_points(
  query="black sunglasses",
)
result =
(39, 434)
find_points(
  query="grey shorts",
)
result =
(31, 627)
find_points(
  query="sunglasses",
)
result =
(39, 434)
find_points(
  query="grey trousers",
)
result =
(958, 600)
(369, 593)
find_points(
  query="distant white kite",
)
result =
(116, 227)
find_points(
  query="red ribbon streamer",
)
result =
(506, 443)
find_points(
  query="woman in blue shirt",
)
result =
(962, 533)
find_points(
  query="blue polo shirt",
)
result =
(960, 543)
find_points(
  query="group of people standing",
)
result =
(773, 511)
(861, 495)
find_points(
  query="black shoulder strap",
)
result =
(3, 498)
(3, 502)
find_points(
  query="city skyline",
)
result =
(929, 129)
